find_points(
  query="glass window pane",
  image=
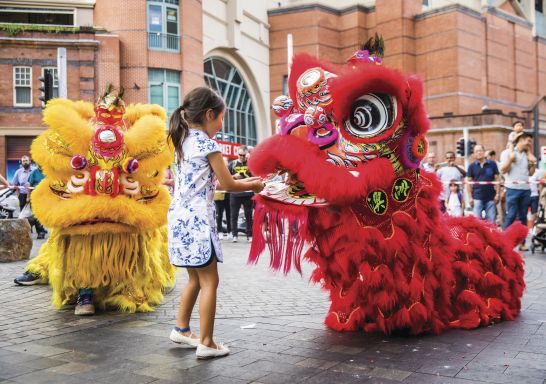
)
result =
(221, 88)
(237, 78)
(22, 95)
(172, 77)
(155, 21)
(156, 75)
(22, 76)
(221, 69)
(156, 94)
(208, 67)
(173, 94)
(172, 21)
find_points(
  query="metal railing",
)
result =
(164, 41)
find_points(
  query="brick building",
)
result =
(483, 62)
(155, 49)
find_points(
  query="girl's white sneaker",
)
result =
(204, 352)
(184, 341)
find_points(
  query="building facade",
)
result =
(157, 50)
(483, 62)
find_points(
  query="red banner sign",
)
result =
(229, 149)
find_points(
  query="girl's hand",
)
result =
(257, 186)
(251, 179)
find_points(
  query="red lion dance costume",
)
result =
(351, 139)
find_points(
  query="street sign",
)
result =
(229, 149)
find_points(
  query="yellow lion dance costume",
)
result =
(103, 201)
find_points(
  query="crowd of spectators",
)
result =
(497, 191)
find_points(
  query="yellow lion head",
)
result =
(104, 166)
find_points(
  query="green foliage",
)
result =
(15, 29)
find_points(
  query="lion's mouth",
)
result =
(288, 189)
(95, 221)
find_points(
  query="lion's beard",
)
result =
(124, 270)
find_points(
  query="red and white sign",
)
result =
(229, 149)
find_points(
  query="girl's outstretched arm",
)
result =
(226, 181)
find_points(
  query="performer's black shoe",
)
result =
(29, 278)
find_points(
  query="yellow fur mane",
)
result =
(124, 259)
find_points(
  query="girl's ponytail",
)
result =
(192, 111)
(178, 130)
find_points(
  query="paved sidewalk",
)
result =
(273, 325)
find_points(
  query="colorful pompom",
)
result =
(78, 162)
(130, 165)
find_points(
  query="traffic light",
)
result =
(47, 86)
(461, 147)
(471, 144)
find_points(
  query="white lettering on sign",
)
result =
(228, 149)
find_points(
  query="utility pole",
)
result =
(466, 137)
(61, 72)
(289, 51)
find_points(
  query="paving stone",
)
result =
(168, 373)
(43, 363)
(441, 368)
(288, 343)
(421, 378)
(328, 377)
(280, 378)
(71, 368)
(316, 363)
(370, 371)
(37, 349)
(491, 376)
(127, 378)
(44, 377)
(225, 380)
(8, 371)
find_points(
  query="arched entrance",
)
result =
(239, 120)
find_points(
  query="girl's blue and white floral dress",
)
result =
(192, 215)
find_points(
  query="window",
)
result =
(22, 86)
(55, 74)
(239, 120)
(163, 25)
(164, 88)
(426, 3)
(37, 16)
(285, 85)
(540, 21)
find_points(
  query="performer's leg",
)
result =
(235, 206)
(188, 299)
(208, 279)
(247, 206)
(227, 207)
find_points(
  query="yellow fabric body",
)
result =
(125, 258)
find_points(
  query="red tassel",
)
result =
(283, 229)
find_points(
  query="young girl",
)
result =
(454, 201)
(193, 236)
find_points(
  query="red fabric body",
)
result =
(409, 267)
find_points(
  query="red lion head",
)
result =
(338, 124)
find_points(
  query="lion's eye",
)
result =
(371, 114)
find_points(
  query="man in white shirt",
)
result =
(517, 163)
